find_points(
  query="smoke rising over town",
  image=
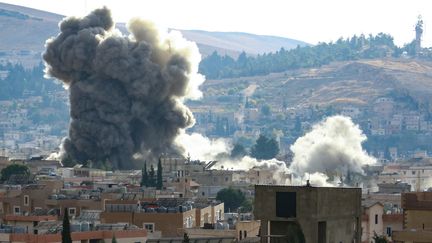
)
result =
(126, 92)
(333, 146)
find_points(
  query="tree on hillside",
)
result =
(151, 179)
(344, 49)
(159, 184)
(14, 169)
(66, 234)
(265, 148)
(144, 175)
(238, 151)
(232, 198)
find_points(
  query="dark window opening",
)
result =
(286, 204)
(389, 231)
(322, 231)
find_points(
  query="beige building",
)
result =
(317, 214)
(246, 230)
(170, 219)
(122, 236)
(372, 221)
(380, 218)
(417, 218)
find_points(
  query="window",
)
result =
(286, 204)
(245, 234)
(149, 227)
(189, 222)
(376, 218)
(389, 231)
(17, 210)
(26, 200)
(413, 172)
(72, 211)
(322, 231)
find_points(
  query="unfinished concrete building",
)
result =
(308, 214)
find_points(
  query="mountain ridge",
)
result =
(34, 31)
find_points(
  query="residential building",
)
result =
(102, 233)
(170, 216)
(372, 223)
(417, 218)
(319, 214)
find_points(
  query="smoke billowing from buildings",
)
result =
(333, 146)
(126, 92)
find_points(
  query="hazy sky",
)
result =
(307, 20)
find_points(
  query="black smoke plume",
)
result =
(126, 92)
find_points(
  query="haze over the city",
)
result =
(311, 21)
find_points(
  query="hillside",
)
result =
(27, 29)
(237, 42)
(347, 83)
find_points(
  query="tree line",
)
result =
(381, 45)
(265, 148)
(18, 80)
(150, 178)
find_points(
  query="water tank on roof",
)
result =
(172, 210)
(150, 210)
(75, 227)
(161, 210)
(85, 226)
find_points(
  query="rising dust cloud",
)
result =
(126, 92)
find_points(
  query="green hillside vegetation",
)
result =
(381, 45)
(20, 81)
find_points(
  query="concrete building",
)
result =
(392, 222)
(372, 222)
(170, 216)
(394, 188)
(417, 218)
(103, 233)
(316, 214)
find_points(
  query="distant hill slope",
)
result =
(356, 83)
(25, 28)
(237, 41)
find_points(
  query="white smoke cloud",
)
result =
(332, 145)
(199, 147)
